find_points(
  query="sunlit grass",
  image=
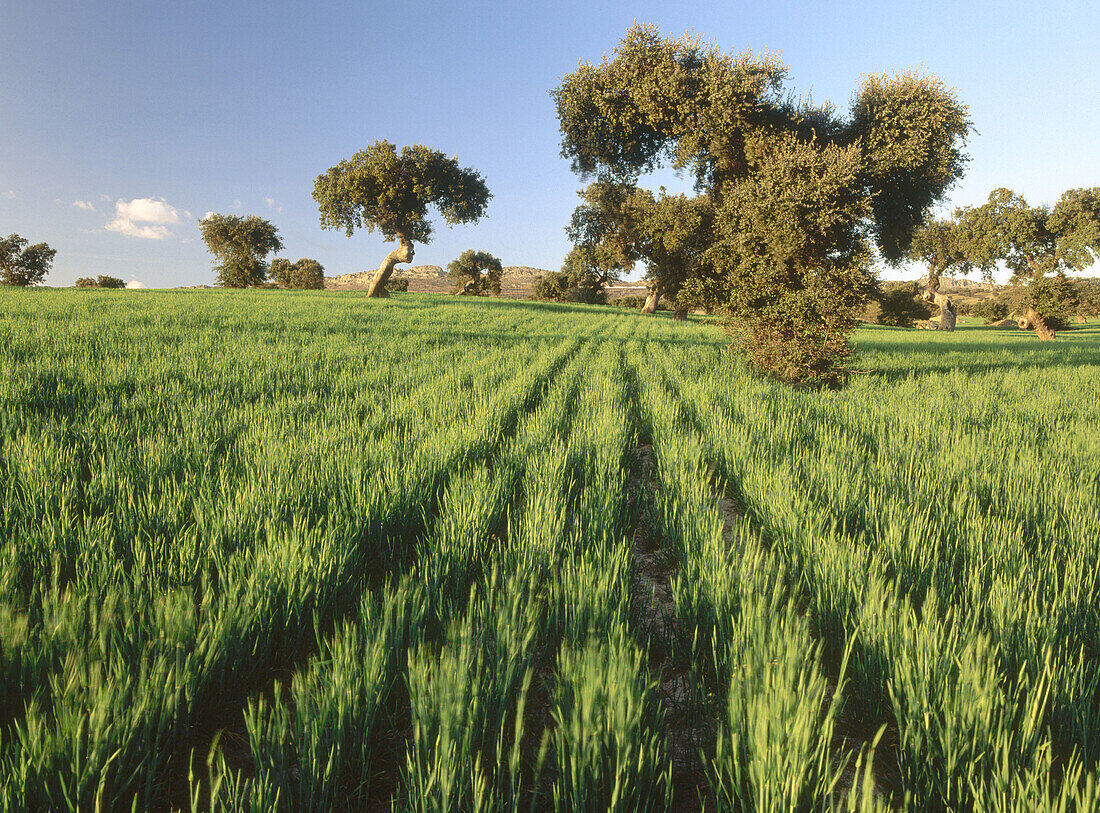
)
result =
(388, 547)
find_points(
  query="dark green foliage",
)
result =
(305, 273)
(636, 302)
(475, 273)
(1088, 291)
(552, 286)
(102, 281)
(23, 264)
(911, 129)
(937, 244)
(1054, 296)
(625, 225)
(1040, 245)
(240, 244)
(991, 310)
(589, 269)
(898, 304)
(397, 285)
(379, 188)
(794, 191)
(799, 268)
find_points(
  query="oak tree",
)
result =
(475, 273)
(382, 189)
(1040, 245)
(23, 264)
(797, 191)
(667, 233)
(240, 244)
(936, 244)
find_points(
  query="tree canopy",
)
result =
(1040, 245)
(382, 189)
(936, 243)
(475, 273)
(1032, 241)
(625, 224)
(240, 244)
(794, 193)
(306, 273)
(24, 264)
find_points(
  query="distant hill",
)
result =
(517, 281)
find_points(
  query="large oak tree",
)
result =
(382, 189)
(800, 195)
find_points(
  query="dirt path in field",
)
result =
(688, 725)
(690, 722)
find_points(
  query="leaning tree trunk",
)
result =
(948, 313)
(1033, 320)
(402, 254)
(651, 299)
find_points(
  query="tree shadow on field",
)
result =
(513, 333)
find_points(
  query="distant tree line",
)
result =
(101, 281)
(1040, 245)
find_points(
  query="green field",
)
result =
(312, 551)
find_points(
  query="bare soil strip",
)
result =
(687, 727)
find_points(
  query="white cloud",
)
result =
(133, 283)
(105, 197)
(273, 204)
(236, 204)
(86, 205)
(147, 218)
(10, 195)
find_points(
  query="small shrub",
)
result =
(812, 359)
(637, 302)
(397, 285)
(86, 282)
(587, 294)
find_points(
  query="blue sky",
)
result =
(122, 123)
